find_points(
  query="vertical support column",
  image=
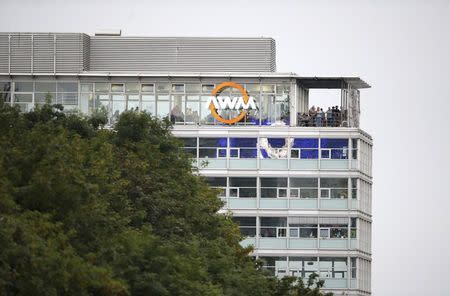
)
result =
(293, 106)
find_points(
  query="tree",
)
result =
(295, 286)
(112, 212)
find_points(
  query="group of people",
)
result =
(318, 118)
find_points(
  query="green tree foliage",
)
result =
(92, 211)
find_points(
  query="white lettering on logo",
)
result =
(227, 103)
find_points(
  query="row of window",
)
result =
(181, 103)
(280, 187)
(326, 267)
(298, 227)
(275, 148)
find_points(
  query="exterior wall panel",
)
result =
(112, 54)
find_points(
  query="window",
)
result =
(192, 109)
(190, 146)
(243, 147)
(132, 87)
(117, 87)
(274, 264)
(336, 228)
(149, 104)
(303, 227)
(243, 187)
(178, 88)
(193, 88)
(118, 105)
(273, 226)
(147, 88)
(163, 88)
(178, 108)
(101, 87)
(332, 267)
(247, 225)
(354, 148)
(303, 266)
(273, 187)
(334, 188)
(305, 148)
(23, 86)
(162, 106)
(334, 148)
(354, 188)
(353, 228)
(303, 187)
(353, 267)
(218, 183)
(213, 147)
(207, 88)
(5, 91)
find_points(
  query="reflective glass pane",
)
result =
(67, 87)
(23, 86)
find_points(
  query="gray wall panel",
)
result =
(154, 54)
(77, 52)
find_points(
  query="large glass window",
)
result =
(149, 104)
(305, 148)
(273, 226)
(213, 147)
(247, 225)
(192, 109)
(304, 187)
(242, 187)
(303, 227)
(243, 147)
(5, 91)
(190, 146)
(273, 187)
(178, 108)
(162, 106)
(219, 183)
(333, 188)
(303, 266)
(272, 264)
(67, 95)
(333, 267)
(333, 227)
(333, 148)
(118, 105)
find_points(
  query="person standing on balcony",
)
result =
(319, 117)
(329, 117)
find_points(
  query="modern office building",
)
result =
(298, 181)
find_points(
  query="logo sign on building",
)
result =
(218, 103)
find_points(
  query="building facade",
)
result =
(297, 181)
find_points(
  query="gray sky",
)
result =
(401, 48)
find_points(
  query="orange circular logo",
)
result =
(217, 90)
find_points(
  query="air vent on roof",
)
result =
(109, 33)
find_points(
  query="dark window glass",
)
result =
(189, 142)
(242, 182)
(243, 142)
(305, 143)
(216, 181)
(334, 143)
(213, 142)
(277, 142)
(245, 221)
(309, 154)
(23, 86)
(5, 86)
(273, 182)
(304, 182)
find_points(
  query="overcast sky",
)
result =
(401, 48)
